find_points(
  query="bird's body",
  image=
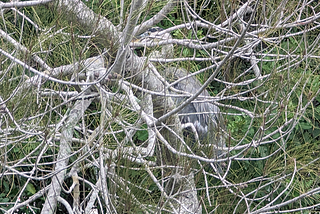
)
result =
(205, 116)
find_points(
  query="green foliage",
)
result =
(141, 135)
(10, 188)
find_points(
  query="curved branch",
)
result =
(104, 30)
(155, 19)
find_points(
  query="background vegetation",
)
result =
(272, 118)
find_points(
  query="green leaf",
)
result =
(305, 125)
(142, 135)
(185, 52)
(6, 186)
(5, 200)
(31, 189)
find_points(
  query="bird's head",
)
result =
(152, 37)
(154, 34)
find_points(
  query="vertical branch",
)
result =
(127, 35)
(63, 155)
